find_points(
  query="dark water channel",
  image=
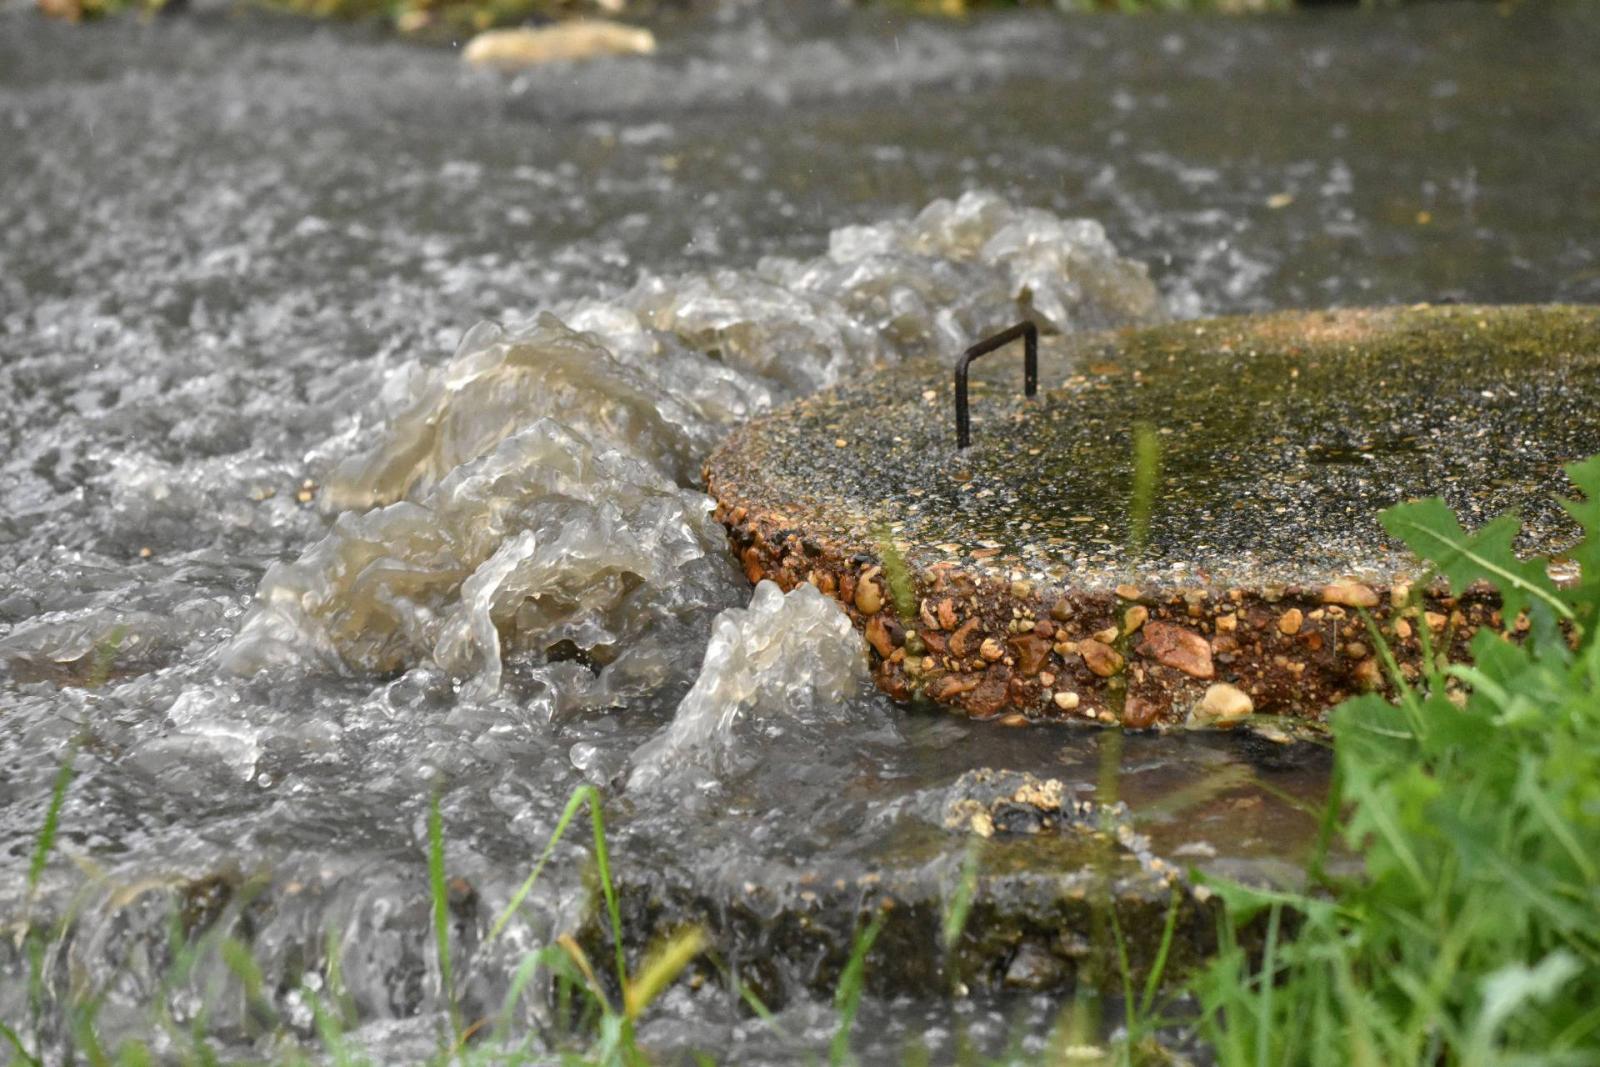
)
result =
(239, 260)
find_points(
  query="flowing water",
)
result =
(354, 402)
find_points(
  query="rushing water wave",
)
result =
(525, 544)
(526, 498)
(789, 662)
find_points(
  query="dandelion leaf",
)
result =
(1429, 528)
(1586, 476)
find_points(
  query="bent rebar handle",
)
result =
(1030, 379)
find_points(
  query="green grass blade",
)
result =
(1152, 982)
(1395, 837)
(1327, 829)
(852, 983)
(602, 861)
(960, 905)
(551, 958)
(328, 1028)
(1531, 792)
(1142, 493)
(746, 994)
(16, 1042)
(441, 909)
(575, 803)
(1407, 698)
(46, 839)
(1269, 966)
(757, 1005)
(1124, 971)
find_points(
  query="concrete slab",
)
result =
(1017, 576)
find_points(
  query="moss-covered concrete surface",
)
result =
(1032, 586)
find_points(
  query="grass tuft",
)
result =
(1473, 936)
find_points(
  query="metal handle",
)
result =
(1030, 380)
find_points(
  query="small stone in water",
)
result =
(1290, 621)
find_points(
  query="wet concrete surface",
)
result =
(1183, 522)
(1279, 442)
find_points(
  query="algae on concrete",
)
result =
(1281, 439)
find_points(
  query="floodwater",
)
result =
(290, 544)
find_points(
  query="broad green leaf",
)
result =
(1429, 528)
(1586, 476)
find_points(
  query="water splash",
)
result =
(500, 380)
(549, 538)
(534, 492)
(788, 661)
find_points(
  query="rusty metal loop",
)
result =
(1030, 380)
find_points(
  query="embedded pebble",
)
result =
(1350, 594)
(1223, 703)
(1173, 646)
(869, 598)
(1101, 658)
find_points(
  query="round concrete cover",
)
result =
(1035, 583)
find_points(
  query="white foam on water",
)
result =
(788, 659)
(541, 487)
